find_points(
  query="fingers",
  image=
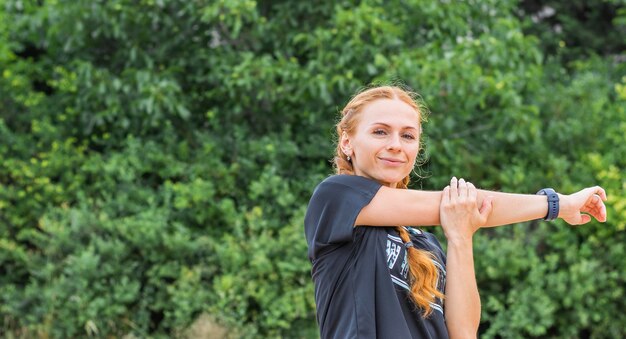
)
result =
(462, 191)
(584, 218)
(486, 208)
(459, 188)
(445, 196)
(462, 188)
(589, 200)
(472, 192)
(595, 205)
(454, 188)
(599, 212)
(600, 208)
(599, 191)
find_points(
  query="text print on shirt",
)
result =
(398, 273)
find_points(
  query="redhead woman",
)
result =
(375, 274)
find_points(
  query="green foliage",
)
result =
(158, 156)
(570, 30)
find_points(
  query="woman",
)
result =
(373, 276)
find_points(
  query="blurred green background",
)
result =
(157, 157)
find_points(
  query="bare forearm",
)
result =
(510, 208)
(462, 301)
(393, 206)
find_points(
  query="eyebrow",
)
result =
(387, 125)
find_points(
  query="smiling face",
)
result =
(385, 142)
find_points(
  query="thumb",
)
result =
(486, 208)
(584, 218)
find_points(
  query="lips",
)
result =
(392, 161)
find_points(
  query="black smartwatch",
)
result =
(553, 203)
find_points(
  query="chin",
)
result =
(391, 180)
(386, 177)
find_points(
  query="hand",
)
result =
(589, 200)
(458, 212)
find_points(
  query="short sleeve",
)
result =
(332, 211)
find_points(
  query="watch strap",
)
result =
(553, 203)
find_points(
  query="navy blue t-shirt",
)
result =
(360, 273)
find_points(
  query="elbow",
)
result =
(464, 330)
(463, 334)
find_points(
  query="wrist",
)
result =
(460, 248)
(553, 203)
(459, 241)
(564, 202)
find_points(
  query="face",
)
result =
(385, 142)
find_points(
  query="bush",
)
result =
(158, 157)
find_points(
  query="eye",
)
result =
(379, 132)
(408, 136)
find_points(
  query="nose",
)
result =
(394, 142)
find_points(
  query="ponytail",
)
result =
(423, 275)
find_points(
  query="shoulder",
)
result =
(350, 183)
(340, 195)
(332, 211)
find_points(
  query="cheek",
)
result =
(367, 148)
(413, 154)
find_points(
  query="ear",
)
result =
(346, 145)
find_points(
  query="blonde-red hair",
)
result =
(423, 274)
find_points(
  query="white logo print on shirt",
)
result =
(393, 250)
(399, 273)
(404, 269)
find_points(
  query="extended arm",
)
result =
(511, 208)
(393, 206)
